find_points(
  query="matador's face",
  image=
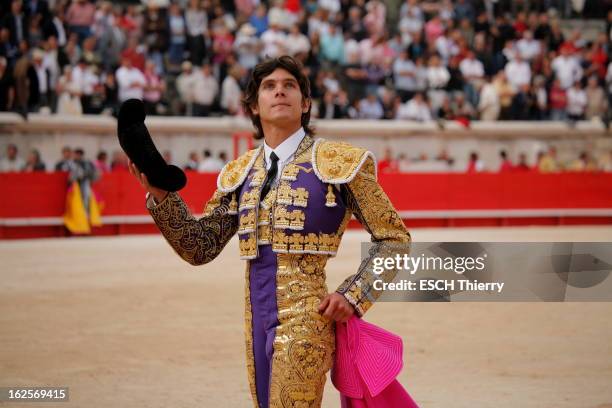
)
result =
(279, 99)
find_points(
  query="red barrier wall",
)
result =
(33, 204)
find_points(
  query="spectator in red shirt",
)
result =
(558, 101)
(387, 164)
(520, 24)
(134, 53)
(475, 165)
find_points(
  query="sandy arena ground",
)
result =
(124, 322)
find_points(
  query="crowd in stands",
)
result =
(80, 168)
(545, 162)
(418, 60)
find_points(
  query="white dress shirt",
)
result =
(285, 151)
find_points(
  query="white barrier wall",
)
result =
(180, 135)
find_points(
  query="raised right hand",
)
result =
(157, 193)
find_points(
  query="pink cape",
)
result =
(367, 361)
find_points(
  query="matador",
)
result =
(289, 201)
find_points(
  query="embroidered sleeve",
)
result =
(371, 206)
(197, 241)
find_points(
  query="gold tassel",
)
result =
(330, 197)
(233, 206)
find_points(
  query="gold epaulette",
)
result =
(339, 162)
(235, 172)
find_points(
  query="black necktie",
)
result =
(270, 176)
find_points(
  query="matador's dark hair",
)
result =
(262, 70)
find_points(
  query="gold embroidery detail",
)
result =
(248, 336)
(296, 242)
(290, 172)
(300, 197)
(311, 242)
(197, 241)
(280, 240)
(235, 171)
(247, 222)
(248, 200)
(337, 162)
(330, 197)
(304, 343)
(296, 220)
(324, 244)
(248, 247)
(233, 205)
(371, 206)
(258, 178)
(263, 234)
(281, 217)
(263, 217)
(284, 193)
(266, 203)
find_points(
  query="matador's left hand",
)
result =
(335, 307)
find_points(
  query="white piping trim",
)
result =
(244, 174)
(294, 251)
(248, 258)
(352, 175)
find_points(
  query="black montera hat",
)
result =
(136, 142)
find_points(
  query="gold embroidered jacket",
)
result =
(352, 172)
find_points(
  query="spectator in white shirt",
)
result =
(274, 42)
(471, 68)
(85, 81)
(333, 6)
(528, 48)
(509, 51)
(576, 102)
(411, 16)
(489, 105)
(205, 91)
(518, 72)
(446, 47)
(473, 73)
(210, 164)
(130, 80)
(69, 94)
(297, 43)
(247, 46)
(185, 84)
(567, 68)
(415, 109)
(280, 16)
(12, 162)
(404, 76)
(370, 108)
(230, 91)
(437, 78)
